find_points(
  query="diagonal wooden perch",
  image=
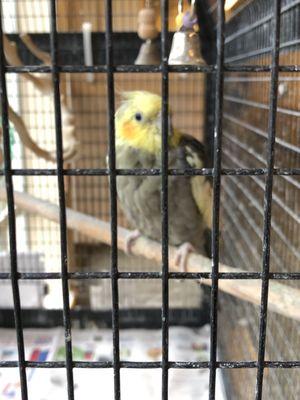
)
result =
(44, 85)
(283, 299)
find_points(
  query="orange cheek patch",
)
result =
(128, 130)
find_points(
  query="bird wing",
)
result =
(195, 157)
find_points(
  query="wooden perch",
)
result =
(44, 84)
(25, 136)
(283, 299)
(41, 55)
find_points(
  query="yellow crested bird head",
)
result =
(138, 122)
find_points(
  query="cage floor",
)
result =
(186, 344)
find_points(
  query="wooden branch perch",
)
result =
(26, 138)
(283, 299)
(44, 85)
(40, 54)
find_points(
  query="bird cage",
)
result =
(63, 66)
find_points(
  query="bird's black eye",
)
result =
(138, 116)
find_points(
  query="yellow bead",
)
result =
(178, 20)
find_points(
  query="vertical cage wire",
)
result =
(268, 197)
(62, 201)
(164, 199)
(216, 195)
(113, 199)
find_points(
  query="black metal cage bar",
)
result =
(164, 199)
(155, 364)
(154, 172)
(62, 200)
(149, 68)
(268, 198)
(216, 195)
(217, 70)
(113, 198)
(151, 275)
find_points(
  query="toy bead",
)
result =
(178, 20)
(147, 15)
(147, 24)
(189, 20)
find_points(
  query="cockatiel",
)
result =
(138, 145)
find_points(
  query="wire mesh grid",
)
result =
(246, 102)
(234, 188)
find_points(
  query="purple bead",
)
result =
(188, 20)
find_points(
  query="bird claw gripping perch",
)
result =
(130, 239)
(182, 254)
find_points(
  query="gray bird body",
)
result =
(140, 196)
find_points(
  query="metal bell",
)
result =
(149, 54)
(185, 48)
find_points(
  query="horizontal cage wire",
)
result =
(242, 104)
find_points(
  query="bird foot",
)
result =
(182, 254)
(130, 239)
